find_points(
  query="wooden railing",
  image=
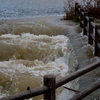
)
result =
(89, 28)
(50, 83)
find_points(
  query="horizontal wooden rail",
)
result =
(78, 73)
(92, 24)
(87, 18)
(92, 36)
(82, 22)
(87, 29)
(27, 94)
(86, 92)
(82, 13)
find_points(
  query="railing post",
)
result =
(49, 81)
(78, 10)
(81, 17)
(97, 39)
(85, 24)
(90, 40)
(76, 6)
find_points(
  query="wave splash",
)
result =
(26, 57)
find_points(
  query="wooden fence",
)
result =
(50, 83)
(89, 28)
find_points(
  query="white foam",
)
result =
(59, 66)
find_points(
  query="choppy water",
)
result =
(30, 50)
(25, 57)
(30, 8)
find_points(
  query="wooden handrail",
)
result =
(92, 24)
(87, 18)
(78, 73)
(86, 92)
(27, 94)
(92, 36)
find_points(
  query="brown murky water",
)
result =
(30, 50)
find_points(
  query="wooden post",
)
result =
(81, 18)
(97, 39)
(90, 40)
(76, 6)
(85, 24)
(49, 81)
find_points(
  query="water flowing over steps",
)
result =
(85, 56)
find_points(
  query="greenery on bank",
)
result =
(92, 7)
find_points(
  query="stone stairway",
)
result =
(84, 54)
